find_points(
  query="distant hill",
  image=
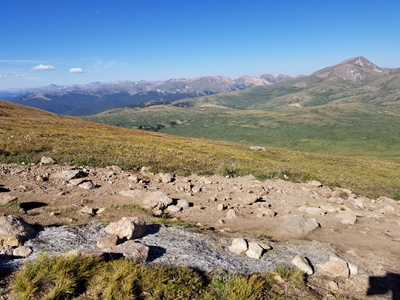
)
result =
(352, 108)
(92, 98)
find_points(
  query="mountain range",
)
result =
(86, 99)
(352, 108)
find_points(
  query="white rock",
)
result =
(173, 208)
(353, 270)
(76, 181)
(87, 185)
(315, 183)
(302, 264)
(182, 203)
(167, 177)
(348, 217)
(238, 246)
(254, 251)
(220, 207)
(129, 228)
(231, 214)
(328, 208)
(46, 160)
(22, 251)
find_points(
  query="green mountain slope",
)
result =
(26, 134)
(352, 108)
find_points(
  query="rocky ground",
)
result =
(285, 218)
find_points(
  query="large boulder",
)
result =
(238, 246)
(14, 231)
(299, 225)
(131, 250)
(127, 228)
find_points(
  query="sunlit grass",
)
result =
(27, 134)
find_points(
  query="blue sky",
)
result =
(69, 41)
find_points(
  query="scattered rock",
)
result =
(22, 251)
(261, 212)
(238, 246)
(182, 203)
(87, 210)
(133, 178)
(335, 267)
(76, 181)
(87, 185)
(299, 225)
(347, 216)
(69, 174)
(315, 183)
(46, 160)
(131, 250)
(250, 198)
(116, 169)
(302, 263)
(221, 207)
(14, 231)
(231, 214)
(257, 148)
(108, 241)
(127, 227)
(173, 208)
(155, 200)
(167, 177)
(254, 251)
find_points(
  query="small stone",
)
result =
(87, 210)
(238, 246)
(221, 207)
(133, 178)
(131, 250)
(76, 181)
(182, 203)
(173, 209)
(87, 185)
(107, 241)
(167, 177)
(46, 160)
(231, 214)
(353, 270)
(266, 212)
(315, 183)
(254, 251)
(328, 208)
(100, 210)
(348, 217)
(22, 251)
(352, 253)
(250, 198)
(335, 267)
(220, 221)
(116, 169)
(302, 263)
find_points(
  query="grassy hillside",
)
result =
(350, 129)
(26, 134)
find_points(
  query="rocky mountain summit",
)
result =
(243, 225)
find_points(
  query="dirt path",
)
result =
(372, 243)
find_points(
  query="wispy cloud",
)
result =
(76, 70)
(43, 67)
(103, 67)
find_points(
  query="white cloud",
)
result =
(43, 67)
(76, 70)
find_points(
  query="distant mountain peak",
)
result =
(354, 69)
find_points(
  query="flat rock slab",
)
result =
(299, 225)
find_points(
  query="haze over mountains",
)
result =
(77, 100)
